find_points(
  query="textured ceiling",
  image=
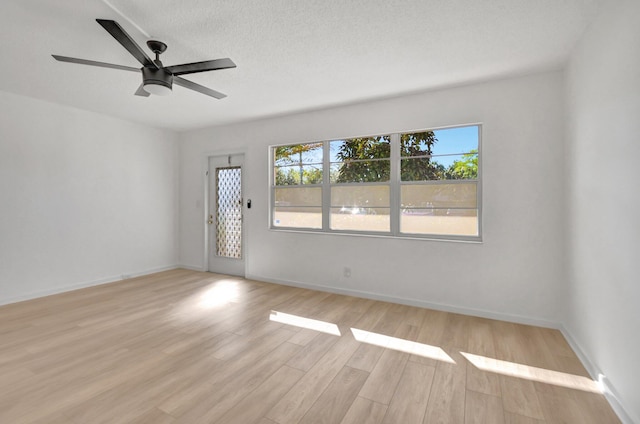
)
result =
(291, 55)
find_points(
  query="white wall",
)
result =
(83, 198)
(602, 300)
(513, 274)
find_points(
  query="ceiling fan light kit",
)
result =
(157, 81)
(156, 78)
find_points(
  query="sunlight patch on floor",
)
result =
(223, 292)
(527, 372)
(204, 302)
(311, 324)
(402, 345)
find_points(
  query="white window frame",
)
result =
(394, 184)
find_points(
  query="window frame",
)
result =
(394, 183)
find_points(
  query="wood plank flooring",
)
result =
(190, 347)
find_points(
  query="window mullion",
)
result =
(394, 182)
(272, 185)
(326, 186)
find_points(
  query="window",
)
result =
(414, 184)
(298, 186)
(439, 182)
(360, 188)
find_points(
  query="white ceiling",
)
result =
(291, 55)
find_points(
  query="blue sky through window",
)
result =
(454, 140)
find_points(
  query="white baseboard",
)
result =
(82, 285)
(192, 267)
(412, 302)
(608, 389)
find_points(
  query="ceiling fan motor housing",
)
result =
(161, 77)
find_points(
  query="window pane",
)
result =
(456, 140)
(460, 222)
(360, 148)
(351, 160)
(229, 212)
(360, 219)
(458, 167)
(420, 169)
(361, 171)
(452, 167)
(417, 144)
(298, 174)
(298, 196)
(440, 142)
(298, 153)
(297, 217)
(334, 172)
(363, 196)
(430, 196)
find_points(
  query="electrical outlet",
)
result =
(346, 272)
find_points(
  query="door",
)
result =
(225, 220)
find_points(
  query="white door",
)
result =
(225, 221)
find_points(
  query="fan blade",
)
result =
(127, 42)
(94, 63)
(208, 65)
(140, 91)
(197, 87)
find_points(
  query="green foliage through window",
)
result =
(298, 164)
(466, 168)
(298, 175)
(364, 159)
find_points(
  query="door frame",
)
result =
(207, 206)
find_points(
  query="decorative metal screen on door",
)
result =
(229, 212)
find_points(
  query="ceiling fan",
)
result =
(156, 78)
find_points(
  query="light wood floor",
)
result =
(189, 347)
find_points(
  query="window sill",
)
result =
(430, 237)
